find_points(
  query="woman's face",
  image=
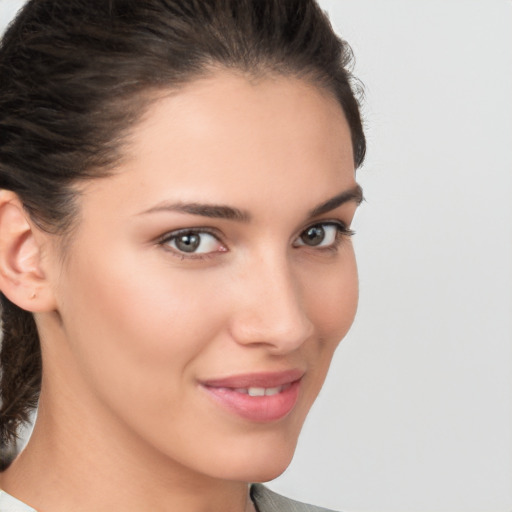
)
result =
(212, 277)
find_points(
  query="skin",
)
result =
(130, 328)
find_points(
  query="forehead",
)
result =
(227, 138)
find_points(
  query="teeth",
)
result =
(261, 391)
(256, 391)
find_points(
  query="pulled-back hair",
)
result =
(75, 75)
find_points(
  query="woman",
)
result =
(178, 183)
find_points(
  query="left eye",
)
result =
(193, 242)
(320, 235)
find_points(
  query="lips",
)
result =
(258, 397)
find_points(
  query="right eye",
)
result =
(192, 242)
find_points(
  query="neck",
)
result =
(74, 465)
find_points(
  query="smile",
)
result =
(263, 397)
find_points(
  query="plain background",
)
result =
(416, 414)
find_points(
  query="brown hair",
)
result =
(73, 74)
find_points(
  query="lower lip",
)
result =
(259, 409)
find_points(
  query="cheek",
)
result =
(331, 296)
(133, 321)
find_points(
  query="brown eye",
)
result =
(313, 236)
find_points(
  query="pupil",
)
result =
(188, 243)
(314, 235)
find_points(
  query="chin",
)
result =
(262, 454)
(260, 473)
(262, 463)
(268, 474)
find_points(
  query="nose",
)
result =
(270, 309)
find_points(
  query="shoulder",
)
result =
(269, 501)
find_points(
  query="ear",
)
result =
(22, 277)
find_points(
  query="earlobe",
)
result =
(22, 277)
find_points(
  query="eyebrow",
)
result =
(354, 194)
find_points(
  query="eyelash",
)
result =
(342, 232)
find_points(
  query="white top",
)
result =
(10, 504)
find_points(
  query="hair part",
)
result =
(76, 76)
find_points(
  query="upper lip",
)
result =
(256, 380)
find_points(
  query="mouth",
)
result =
(257, 397)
